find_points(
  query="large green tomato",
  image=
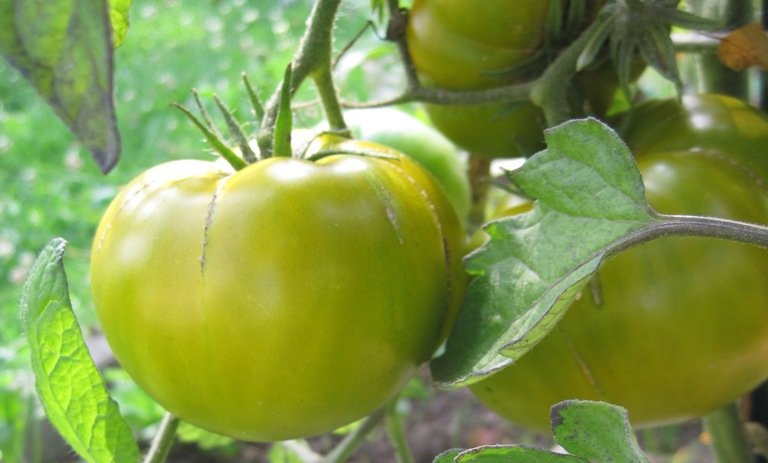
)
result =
(460, 45)
(420, 142)
(282, 300)
(682, 327)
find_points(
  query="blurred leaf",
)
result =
(64, 49)
(290, 452)
(590, 198)
(17, 424)
(118, 16)
(68, 383)
(204, 439)
(596, 431)
(641, 28)
(378, 10)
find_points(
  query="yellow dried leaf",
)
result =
(745, 47)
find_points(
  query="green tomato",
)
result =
(681, 327)
(421, 143)
(721, 124)
(283, 300)
(460, 45)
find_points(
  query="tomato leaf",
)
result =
(596, 431)
(68, 383)
(590, 196)
(64, 49)
(592, 432)
(506, 454)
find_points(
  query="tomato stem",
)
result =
(347, 446)
(161, 445)
(729, 442)
(684, 225)
(397, 435)
(312, 59)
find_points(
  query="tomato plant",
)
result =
(293, 291)
(456, 45)
(419, 141)
(283, 300)
(678, 327)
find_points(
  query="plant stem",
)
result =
(163, 441)
(683, 225)
(313, 59)
(729, 443)
(347, 446)
(397, 434)
(329, 99)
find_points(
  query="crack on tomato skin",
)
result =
(209, 219)
(448, 256)
(389, 205)
(139, 193)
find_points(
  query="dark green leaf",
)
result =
(691, 21)
(599, 35)
(118, 16)
(554, 23)
(64, 48)
(658, 51)
(597, 431)
(68, 383)
(589, 197)
(575, 16)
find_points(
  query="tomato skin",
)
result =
(716, 123)
(682, 328)
(284, 300)
(421, 143)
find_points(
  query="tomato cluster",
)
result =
(680, 327)
(282, 300)
(457, 45)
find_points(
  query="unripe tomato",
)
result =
(282, 300)
(681, 327)
(461, 45)
(452, 46)
(421, 143)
